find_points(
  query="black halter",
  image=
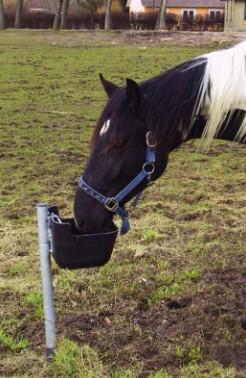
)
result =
(112, 204)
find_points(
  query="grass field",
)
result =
(172, 300)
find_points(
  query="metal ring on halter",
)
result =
(149, 143)
(149, 168)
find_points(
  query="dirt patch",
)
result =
(135, 37)
(164, 335)
(195, 39)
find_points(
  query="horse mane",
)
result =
(170, 97)
(173, 96)
(212, 85)
(226, 71)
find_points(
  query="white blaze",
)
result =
(105, 127)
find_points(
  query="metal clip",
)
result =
(150, 140)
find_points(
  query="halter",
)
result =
(112, 204)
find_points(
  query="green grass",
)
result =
(9, 343)
(72, 361)
(170, 303)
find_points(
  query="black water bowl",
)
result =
(73, 250)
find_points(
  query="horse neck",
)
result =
(212, 85)
(229, 130)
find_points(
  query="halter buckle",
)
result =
(111, 204)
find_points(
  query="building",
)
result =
(182, 10)
(235, 15)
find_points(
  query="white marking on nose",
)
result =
(105, 127)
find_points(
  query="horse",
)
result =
(142, 123)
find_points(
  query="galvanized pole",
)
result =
(45, 262)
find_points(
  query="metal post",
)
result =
(45, 262)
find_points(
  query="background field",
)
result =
(172, 300)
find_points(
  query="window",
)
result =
(188, 14)
(245, 9)
(214, 14)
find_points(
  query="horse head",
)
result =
(118, 153)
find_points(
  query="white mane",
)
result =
(223, 89)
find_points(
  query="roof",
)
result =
(51, 5)
(186, 3)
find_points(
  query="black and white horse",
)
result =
(141, 124)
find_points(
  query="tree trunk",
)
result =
(57, 19)
(2, 17)
(64, 11)
(18, 14)
(107, 21)
(161, 19)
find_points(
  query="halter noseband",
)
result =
(112, 204)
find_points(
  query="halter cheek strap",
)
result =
(112, 204)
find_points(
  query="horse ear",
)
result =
(133, 93)
(110, 88)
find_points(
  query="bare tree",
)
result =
(107, 21)
(64, 12)
(18, 13)
(91, 6)
(57, 19)
(161, 19)
(2, 17)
